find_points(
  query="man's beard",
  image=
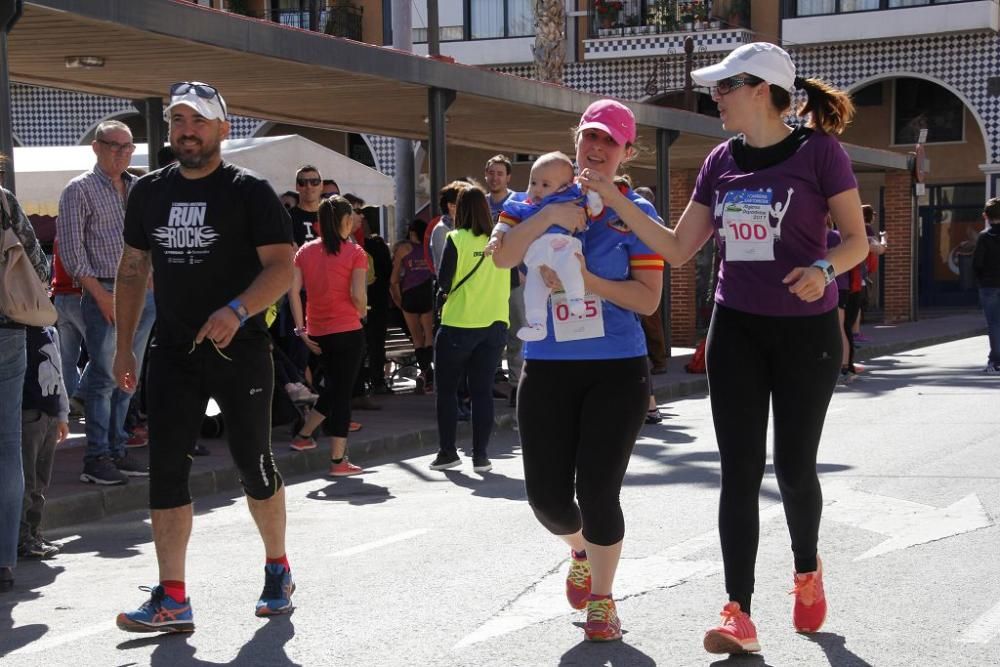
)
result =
(198, 159)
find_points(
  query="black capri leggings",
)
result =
(791, 363)
(340, 357)
(578, 422)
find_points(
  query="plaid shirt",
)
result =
(90, 224)
(26, 233)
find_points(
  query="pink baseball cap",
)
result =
(611, 116)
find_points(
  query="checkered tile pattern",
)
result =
(618, 46)
(51, 117)
(384, 151)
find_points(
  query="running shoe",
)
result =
(810, 600)
(36, 548)
(991, 369)
(139, 437)
(861, 338)
(653, 416)
(354, 427)
(737, 634)
(299, 393)
(481, 464)
(344, 469)
(160, 613)
(578, 582)
(444, 460)
(129, 465)
(102, 471)
(276, 597)
(603, 624)
(302, 443)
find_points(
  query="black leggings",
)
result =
(340, 356)
(851, 303)
(791, 363)
(579, 421)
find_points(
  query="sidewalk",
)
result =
(405, 427)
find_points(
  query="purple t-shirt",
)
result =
(791, 197)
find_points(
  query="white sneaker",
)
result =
(299, 393)
(991, 370)
(532, 332)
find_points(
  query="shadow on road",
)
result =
(29, 578)
(611, 654)
(353, 490)
(492, 484)
(266, 647)
(743, 660)
(835, 647)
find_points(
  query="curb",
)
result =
(100, 503)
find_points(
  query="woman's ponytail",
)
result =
(830, 107)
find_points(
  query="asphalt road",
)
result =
(405, 566)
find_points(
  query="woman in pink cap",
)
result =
(774, 339)
(582, 396)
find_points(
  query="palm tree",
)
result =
(550, 40)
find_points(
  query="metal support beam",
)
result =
(438, 101)
(10, 12)
(433, 29)
(152, 109)
(664, 140)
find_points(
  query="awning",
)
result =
(43, 171)
(284, 74)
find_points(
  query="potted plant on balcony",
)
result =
(700, 17)
(608, 11)
(632, 24)
(662, 16)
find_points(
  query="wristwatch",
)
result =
(829, 273)
(241, 311)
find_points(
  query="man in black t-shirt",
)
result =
(220, 247)
(305, 215)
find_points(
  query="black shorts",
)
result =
(179, 384)
(420, 299)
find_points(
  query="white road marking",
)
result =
(984, 628)
(547, 598)
(906, 523)
(368, 546)
(46, 643)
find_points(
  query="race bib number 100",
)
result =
(747, 227)
(571, 327)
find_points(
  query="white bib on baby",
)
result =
(568, 326)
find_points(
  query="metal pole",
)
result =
(689, 100)
(433, 28)
(404, 179)
(153, 108)
(438, 101)
(10, 12)
(664, 139)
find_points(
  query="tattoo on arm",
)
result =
(134, 266)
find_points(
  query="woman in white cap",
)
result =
(774, 338)
(582, 396)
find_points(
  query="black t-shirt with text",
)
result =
(304, 225)
(203, 236)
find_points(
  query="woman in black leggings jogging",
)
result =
(584, 389)
(774, 337)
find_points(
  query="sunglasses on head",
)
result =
(309, 181)
(726, 86)
(202, 90)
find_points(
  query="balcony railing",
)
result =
(340, 20)
(628, 18)
(801, 8)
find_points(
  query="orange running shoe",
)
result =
(344, 469)
(810, 600)
(603, 624)
(578, 582)
(737, 634)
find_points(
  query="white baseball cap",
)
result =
(201, 97)
(761, 59)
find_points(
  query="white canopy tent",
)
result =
(43, 171)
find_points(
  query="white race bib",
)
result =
(746, 226)
(571, 327)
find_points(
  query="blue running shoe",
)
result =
(160, 613)
(278, 589)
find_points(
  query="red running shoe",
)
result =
(578, 582)
(737, 634)
(344, 469)
(603, 624)
(810, 600)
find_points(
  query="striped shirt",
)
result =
(90, 224)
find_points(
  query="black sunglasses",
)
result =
(202, 90)
(725, 86)
(308, 181)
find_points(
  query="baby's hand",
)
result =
(496, 242)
